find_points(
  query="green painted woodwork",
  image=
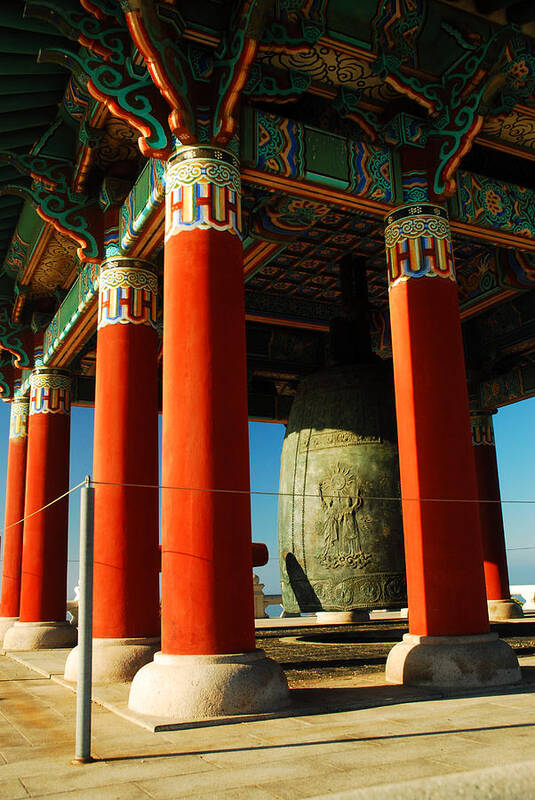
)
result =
(29, 94)
(11, 18)
(30, 223)
(495, 204)
(23, 43)
(57, 141)
(296, 24)
(24, 119)
(24, 387)
(7, 173)
(431, 36)
(19, 140)
(81, 293)
(29, 230)
(30, 84)
(146, 196)
(285, 147)
(20, 102)
(512, 386)
(5, 202)
(326, 158)
(351, 19)
(13, 338)
(12, 64)
(7, 212)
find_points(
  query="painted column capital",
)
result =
(50, 391)
(18, 421)
(482, 427)
(203, 191)
(418, 243)
(128, 290)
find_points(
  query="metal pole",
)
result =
(85, 626)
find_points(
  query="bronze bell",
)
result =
(340, 523)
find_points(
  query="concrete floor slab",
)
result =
(355, 741)
(495, 783)
(125, 791)
(220, 779)
(249, 793)
(12, 788)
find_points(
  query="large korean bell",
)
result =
(340, 523)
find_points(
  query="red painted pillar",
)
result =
(15, 488)
(126, 621)
(44, 552)
(493, 537)
(207, 589)
(443, 550)
(126, 591)
(206, 535)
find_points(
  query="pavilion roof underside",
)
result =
(307, 268)
(329, 83)
(29, 97)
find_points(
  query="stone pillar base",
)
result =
(340, 617)
(114, 660)
(39, 636)
(452, 661)
(196, 686)
(5, 624)
(500, 610)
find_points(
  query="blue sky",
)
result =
(515, 442)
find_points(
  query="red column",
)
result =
(126, 589)
(16, 480)
(449, 643)
(126, 619)
(438, 484)
(206, 535)
(44, 552)
(493, 536)
(208, 664)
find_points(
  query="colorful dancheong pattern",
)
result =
(128, 293)
(18, 422)
(482, 429)
(142, 204)
(50, 392)
(202, 190)
(418, 243)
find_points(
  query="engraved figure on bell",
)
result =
(340, 498)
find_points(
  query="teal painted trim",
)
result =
(36, 242)
(333, 183)
(50, 131)
(145, 198)
(371, 172)
(28, 232)
(71, 310)
(495, 205)
(24, 388)
(326, 157)
(337, 36)
(281, 146)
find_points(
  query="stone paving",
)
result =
(345, 736)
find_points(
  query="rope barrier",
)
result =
(258, 493)
(43, 508)
(301, 494)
